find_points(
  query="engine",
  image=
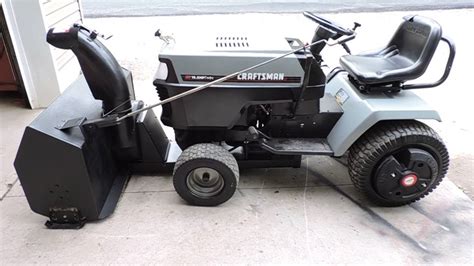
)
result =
(272, 98)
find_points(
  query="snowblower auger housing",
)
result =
(235, 101)
(73, 169)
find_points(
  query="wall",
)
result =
(45, 70)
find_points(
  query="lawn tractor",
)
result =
(234, 103)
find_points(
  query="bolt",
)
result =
(423, 185)
(393, 175)
(205, 177)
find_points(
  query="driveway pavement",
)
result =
(132, 8)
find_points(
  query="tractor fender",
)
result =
(362, 111)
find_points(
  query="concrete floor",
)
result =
(307, 215)
(13, 119)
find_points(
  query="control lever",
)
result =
(255, 134)
(356, 25)
(346, 47)
(92, 33)
(166, 38)
(343, 42)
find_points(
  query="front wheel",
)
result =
(398, 162)
(206, 175)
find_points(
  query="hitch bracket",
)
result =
(65, 218)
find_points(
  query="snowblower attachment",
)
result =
(71, 168)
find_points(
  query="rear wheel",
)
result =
(398, 162)
(206, 175)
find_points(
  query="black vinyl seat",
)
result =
(406, 57)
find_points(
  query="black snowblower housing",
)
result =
(72, 168)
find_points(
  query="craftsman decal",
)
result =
(261, 76)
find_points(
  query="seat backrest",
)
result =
(417, 39)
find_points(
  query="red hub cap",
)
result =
(409, 180)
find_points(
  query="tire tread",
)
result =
(208, 151)
(382, 138)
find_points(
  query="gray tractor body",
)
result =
(336, 113)
(362, 111)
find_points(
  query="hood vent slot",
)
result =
(232, 42)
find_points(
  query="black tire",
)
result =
(200, 160)
(384, 142)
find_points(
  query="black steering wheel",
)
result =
(328, 24)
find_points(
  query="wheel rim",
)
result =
(405, 174)
(205, 182)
